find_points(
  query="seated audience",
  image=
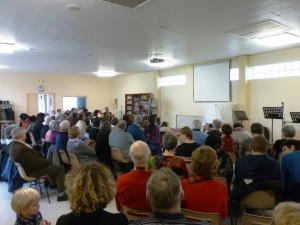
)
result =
(33, 162)
(165, 128)
(201, 192)
(81, 125)
(94, 129)
(225, 167)
(90, 189)
(37, 127)
(83, 152)
(107, 115)
(152, 135)
(103, 151)
(45, 128)
(50, 137)
(239, 133)
(164, 193)
(25, 203)
(127, 119)
(187, 145)
(229, 144)
(114, 121)
(257, 129)
(287, 213)
(63, 136)
(288, 132)
(290, 169)
(216, 126)
(131, 187)
(135, 128)
(256, 171)
(168, 158)
(121, 139)
(198, 136)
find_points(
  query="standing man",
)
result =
(152, 105)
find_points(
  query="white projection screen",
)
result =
(212, 83)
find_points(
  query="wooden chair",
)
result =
(33, 180)
(260, 199)
(212, 218)
(65, 158)
(117, 155)
(74, 161)
(249, 219)
(134, 214)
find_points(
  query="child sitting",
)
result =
(25, 202)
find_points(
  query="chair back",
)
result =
(117, 155)
(134, 214)
(212, 218)
(260, 199)
(64, 157)
(188, 163)
(222, 180)
(74, 161)
(23, 173)
(249, 219)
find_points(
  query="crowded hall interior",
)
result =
(149, 112)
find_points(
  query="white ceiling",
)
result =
(111, 36)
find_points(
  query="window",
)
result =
(171, 81)
(286, 69)
(234, 74)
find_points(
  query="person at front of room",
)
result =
(152, 105)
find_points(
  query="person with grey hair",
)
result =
(288, 132)
(62, 137)
(164, 192)
(33, 162)
(135, 128)
(131, 187)
(216, 126)
(121, 139)
(168, 158)
(4, 152)
(198, 135)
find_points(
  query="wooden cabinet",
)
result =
(134, 103)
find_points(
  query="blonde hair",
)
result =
(89, 187)
(204, 161)
(74, 132)
(287, 213)
(22, 198)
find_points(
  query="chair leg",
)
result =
(39, 184)
(47, 194)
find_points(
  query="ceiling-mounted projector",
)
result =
(156, 60)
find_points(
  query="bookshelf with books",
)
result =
(134, 103)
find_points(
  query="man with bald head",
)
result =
(131, 187)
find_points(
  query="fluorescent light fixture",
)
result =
(7, 48)
(279, 40)
(105, 73)
(4, 67)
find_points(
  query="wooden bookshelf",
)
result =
(134, 103)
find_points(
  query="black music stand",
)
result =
(295, 117)
(241, 115)
(273, 113)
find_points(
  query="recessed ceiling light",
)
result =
(279, 40)
(74, 7)
(105, 73)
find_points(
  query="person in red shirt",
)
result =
(131, 187)
(201, 192)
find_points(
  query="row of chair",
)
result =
(212, 218)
